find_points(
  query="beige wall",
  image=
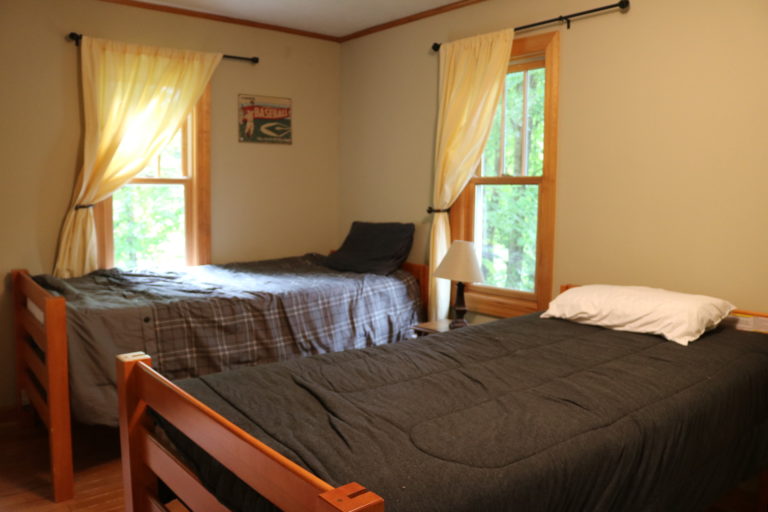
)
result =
(662, 151)
(266, 200)
(663, 164)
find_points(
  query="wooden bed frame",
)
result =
(42, 366)
(145, 459)
(42, 371)
(284, 483)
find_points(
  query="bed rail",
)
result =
(42, 371)
(145, 460)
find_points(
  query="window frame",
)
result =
(504, 302)
(197, 191)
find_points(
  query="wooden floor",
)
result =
(25, 484)
(24, 478)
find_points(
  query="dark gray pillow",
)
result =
(375, 247)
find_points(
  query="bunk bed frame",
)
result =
(42, 366)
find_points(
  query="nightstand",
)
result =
(427, 328)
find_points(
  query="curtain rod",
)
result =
(76, 38)
(622, 4)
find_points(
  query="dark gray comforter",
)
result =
(213, 318)
(524, 414)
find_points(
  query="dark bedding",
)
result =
(524, 414)
(217, 317)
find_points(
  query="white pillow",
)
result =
(679, 317)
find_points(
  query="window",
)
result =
(508, 206)
(161, 218)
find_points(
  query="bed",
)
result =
(273, 310)
(520, 414)
(216, 317)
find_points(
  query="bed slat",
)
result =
(34, 328)
(156, 506)
(176, 476)
(282, 482)
(30, 289)
(33, 362)
(36, 399)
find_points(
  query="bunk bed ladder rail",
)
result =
(145, 460)
(42, 371)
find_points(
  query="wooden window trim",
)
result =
(499, 301)
(197, 196)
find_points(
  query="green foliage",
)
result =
(506, 234)
(148, 226)
(506, 216)
(536, 122)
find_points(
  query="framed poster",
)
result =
(264, 119)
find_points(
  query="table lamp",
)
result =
(460, 264)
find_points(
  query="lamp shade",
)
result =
(460, 263)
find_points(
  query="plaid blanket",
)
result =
(330, 312)
(216, 317)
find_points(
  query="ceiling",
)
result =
(337, 19)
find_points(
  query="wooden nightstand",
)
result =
(427, 328)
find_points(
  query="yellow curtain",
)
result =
(135, 99)
(472, 72)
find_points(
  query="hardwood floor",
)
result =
(24, 478)
(25, 483)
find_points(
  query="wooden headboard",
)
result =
(421, 273)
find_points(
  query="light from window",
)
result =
(507, 205)
(506, 221)
(148, 214)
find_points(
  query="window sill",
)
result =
(500, 303)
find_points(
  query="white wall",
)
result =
(662, 157)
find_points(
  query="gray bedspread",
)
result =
(212, 318)
(524, 414)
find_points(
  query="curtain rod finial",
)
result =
(74, 36)
(436, 47)
(624, 5)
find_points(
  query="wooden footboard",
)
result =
(40, 332)
(145, 460)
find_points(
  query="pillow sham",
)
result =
(679, 317)
(375, 247)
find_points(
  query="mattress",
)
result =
(524, 414)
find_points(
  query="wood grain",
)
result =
(44, 378)
(200, 233)
(421, 273)
(286, 484)
(500, 301)
(25, 484)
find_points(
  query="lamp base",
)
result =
(459, 308)
(457, 323)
